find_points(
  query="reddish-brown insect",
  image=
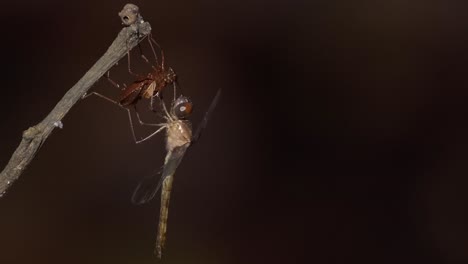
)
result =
(150, 85)
(145, 86)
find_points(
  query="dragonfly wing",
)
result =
(203, 123)
(149, 186)
(146, 189)
(173, 159)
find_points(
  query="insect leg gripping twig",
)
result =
(35, 136)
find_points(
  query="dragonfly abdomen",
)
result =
(163, 215)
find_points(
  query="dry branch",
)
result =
(34, 137)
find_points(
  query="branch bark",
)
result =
(34, 137)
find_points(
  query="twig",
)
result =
(34, 137)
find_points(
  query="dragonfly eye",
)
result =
(182, 107)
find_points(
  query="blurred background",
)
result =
(340, 136)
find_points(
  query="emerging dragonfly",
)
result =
(145, 86)
(178, 138)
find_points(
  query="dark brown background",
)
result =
(341, 135)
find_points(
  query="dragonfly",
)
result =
(179, 138)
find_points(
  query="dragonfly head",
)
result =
(182, 107)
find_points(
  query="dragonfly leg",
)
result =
(161, 101)
(151, 135)
(144, 123)
(152, 102)
(167, 116)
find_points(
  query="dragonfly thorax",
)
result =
(179, 133)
